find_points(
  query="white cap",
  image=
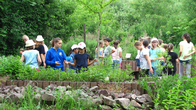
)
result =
(29, 43)
(81, 45)
(74, 46)
(39, 38)
(154, 39)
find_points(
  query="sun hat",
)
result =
(29, 43)
(39, 38)
(74, 46)
(154, 39)
(81, 45)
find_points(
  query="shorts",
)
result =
(138, 62)
(186, 61)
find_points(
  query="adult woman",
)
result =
(186, 50)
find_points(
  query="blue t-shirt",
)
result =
(72, 61)
(154, 54)
(31, 58)
(55, 55)
(81, 60)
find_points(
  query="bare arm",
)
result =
(39, 59)
(181, 48)
(193, 48)
(22, 58)
(43, 59)
(73, 64)
(89, 63)
(149, 62)
(120, 54)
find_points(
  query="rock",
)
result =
(69, 88)
(17, 89)
(123, 102)
(82, 94)
(114, 95)
(140, 99)
(98, 101)
(68, 92)
(2, 96)
(128, 96)
(52, 86)
(14, 97)
(148, 105)
(105, 107)
(108, 101)
(7, 90)
(147, 97)
(103, 92)
(95, 97)
(84, 87)
(135, 104)
(38, 97)
(136, 92)
(94, 88)
(120, 95)
(110, 97)
(133, 96)
(48, 97)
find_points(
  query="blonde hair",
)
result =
(25, 37)
(137, 43)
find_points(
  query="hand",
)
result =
(57, 63)
(21, 49)
(151, 70)
(95, 60)
(152, 59)
(21, 52)
(66, 62)
(185, 57)
(45, 65)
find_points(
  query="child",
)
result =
(154, 56)
(116, 55)
(187, 49)
(108, 49)
(31, 56)
(40, 38)
(82, 58)
(40, 47)
(100, 52)
(74, 50)
(120, 52)
(145, 63)
(138, 55)
(173, 60)
(56, 56)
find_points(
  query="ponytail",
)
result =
(187, 37)
(170, 47)
(55, 40)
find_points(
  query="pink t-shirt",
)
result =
(115, 55)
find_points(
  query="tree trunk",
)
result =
(84, 33)
(98, 34)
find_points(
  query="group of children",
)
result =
(150, 56)
(36, 54)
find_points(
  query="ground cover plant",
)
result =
(15, 69)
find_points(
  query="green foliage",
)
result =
(33, 17)
(13, 66)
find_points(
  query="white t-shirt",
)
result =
(143, 60)
(46, 48)
(138, 54)
(107, 51)
(115, 55)
(187, 49)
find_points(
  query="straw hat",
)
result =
(29, 43)
(39, 38)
